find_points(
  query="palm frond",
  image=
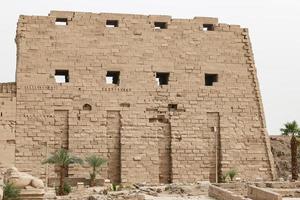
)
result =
(95, 161)
(62, 157)
(290, 128)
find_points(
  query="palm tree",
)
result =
(293, 129)
(62, 158)
(95, 162)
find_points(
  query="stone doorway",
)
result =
(114, 146)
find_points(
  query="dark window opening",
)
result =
(152, 120)
(208, 27)
(162, 78)
(160, 25)
(127, 105)
(213, 129)
(1, 114)
(172, 107)
(113, 77)
(112, 23)
(62, 76)
(87, 107)
(210, 79)
(61, 21)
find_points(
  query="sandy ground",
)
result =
(147, 197)
(291, 198)
(161, 192)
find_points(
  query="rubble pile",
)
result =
(139, 192)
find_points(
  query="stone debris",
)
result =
(141, 192)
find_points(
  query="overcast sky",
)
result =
(274, 30)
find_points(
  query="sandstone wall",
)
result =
(7, 123)
(211, 128)
(257, 193)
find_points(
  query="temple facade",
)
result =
(162, 99)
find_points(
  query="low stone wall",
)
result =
(239, 188)
(284, 188)
(223, 194)
(32, 194)
(278, 184)
(256, 193)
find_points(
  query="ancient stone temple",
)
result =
(162, 99)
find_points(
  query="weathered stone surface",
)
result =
(262, 194)
(22, 180)
(7, 124)
(1, 189)
(202, 117)
(37, 183)
(32, 194)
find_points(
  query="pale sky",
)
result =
(274, 30)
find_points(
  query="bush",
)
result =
(95, 163)
(10, 192)
(114, 187)
(66, 189)
(223, 178)
(231, 174)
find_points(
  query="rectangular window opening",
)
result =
(61, 21)
(160, 25)
(112, 23)
(172, 107)
(62, 76)
(113, 77)
(210, 79)
(162, 78)
(208, 27)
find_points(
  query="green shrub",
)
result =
(223, 178)
(10, 192)
(95, 163)
(114, 187)
(66, 189)
(231, 174)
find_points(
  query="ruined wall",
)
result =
(7, 124)
(209, 72)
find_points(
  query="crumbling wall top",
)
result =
(126, 21)
(8, 87)
(166, 18)
(56, 13)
